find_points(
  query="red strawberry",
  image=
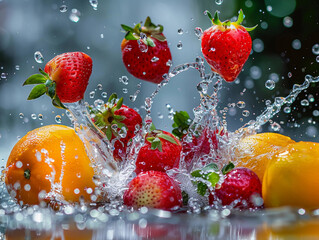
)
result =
(240, 184)
(226, 46)
(153, 189)
(123, 117)
(200, 144)
(64, 79)
(145, 52)
(160, 152)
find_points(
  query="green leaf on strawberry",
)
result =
(207, 174)
(150, 29)
(106, 117)
(227, 168)
(37, 91)
(181, 123)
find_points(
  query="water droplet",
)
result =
(296, 44)
(104, 95)
(75, 15)
(17, 67)
(269, 8)
(124, 80)
(58, 119)
(249, 3)
(315, 113)
(246, 113)
(125, 90)
(21, 115)
(27, 187)
(38, 57)
(317, 59)
(19, 164)
(219, 2)
(258, 45)
(99, 86)
(160, 115)
(33, 116)
(270, 84)
(198, 32)
(94, 4)
(98, 103)
(179, 45)
(180, 31)
(102, 35)
(275, 126)
(133, 98)
(287, 110)
(264, 25)
(315, 49)
(289, 74)
(3, 75)
(40, 117)
(288, 22)
(169, 63)
(92, 93)
(255, 72)
(312, 131)
(63, 8)
(311, 98)
(154, 59)
(304, 102)
(241, 104)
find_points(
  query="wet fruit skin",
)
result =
(226, 50)
(291, 177)
(50, 154)
(153, 189)
(255, 151)
(71, 72)
(239, 184)
(142, 64)
(153, 159)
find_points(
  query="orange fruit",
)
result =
(49, 161)
(255, 151)
(302, 229)
(291, 177)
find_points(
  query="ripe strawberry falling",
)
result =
(64, 79)
(145, 52)
(226, 46)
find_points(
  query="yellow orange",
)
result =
(291, 177)
(49, 161)
(303, 229)
(255, 151)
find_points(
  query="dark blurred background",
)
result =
(282, 53)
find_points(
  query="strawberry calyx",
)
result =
(226, 24)
(44, 85)
(181, 124)
(155, 136)
(105, 118)
(145, 33)
(209, 175)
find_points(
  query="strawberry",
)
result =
(201, 141)
(145, 52)
(240, 184)
(153, 189)
(226, 46)
(124, 120)
(64, 79)
(160, 152)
